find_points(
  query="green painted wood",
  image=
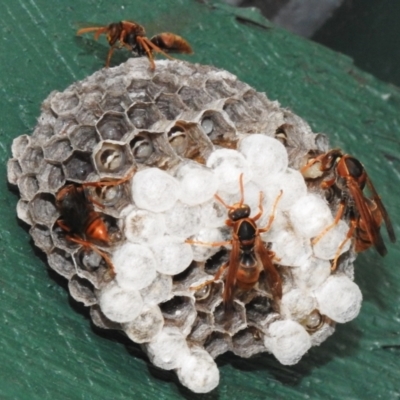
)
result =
(49, 349)
(368, 31)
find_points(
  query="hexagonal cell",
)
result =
(256, 102)
(113, 126)
(31, 159)
(112, 198)
(57, 150)
(112, 158)
(188, 141)
(193, 273)
(51, 177)
(64, 103)
(42, 209)
(179, 312)
(92, 266)
(90, 111)
(142, 147)
(218, 343)
(142, 90)
(230, 321)
(170, 105)
(84, 138)
(314, 321)
(248, 342)
(194, 98)
(281, 135)
(14, 171)
(115, 102)
(144, 115)
(78, 167)
(61, 242)
(293, 139)
(220, 132)
(19, 145)
(202, 327)
(65, 125)
(215, 262)
(42, 134)
(168, 83)
(323, 331)
(100, 320)
(209, 297)
(82, 290)
(238, 113)
(220, 88)
(258, 309)
(61, 262)
(23, 212)
(152, 148)
(42, 237)
(88, 115)
(28, 186)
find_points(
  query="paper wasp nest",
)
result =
(189, 131)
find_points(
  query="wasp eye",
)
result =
(355, 167)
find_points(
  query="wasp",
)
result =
(80, 221)
(348, 178)
(249, 255)
(132, 36)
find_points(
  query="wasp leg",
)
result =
(260, 207)
(97, 31)
(91, 246)
(156, 48)
(63, 226)
(109, 55)
(339, 215)
(148, 51)
(349, 235)
(117, 182)
(272, 216)
(216, 277)
(211, 244)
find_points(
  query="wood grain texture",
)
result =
(49, 349)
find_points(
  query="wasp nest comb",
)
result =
(119, 181)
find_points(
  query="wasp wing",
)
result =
(272, 274)
(371, 227)
(230, 281)
(376, 198)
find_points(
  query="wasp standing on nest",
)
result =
(347, 177)
(248, 256)
(132, 36)
(80, 221)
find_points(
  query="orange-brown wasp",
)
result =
(347, 177)
(132, 36)
(248, 256)
(80, 221)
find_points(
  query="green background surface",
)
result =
(48, 347)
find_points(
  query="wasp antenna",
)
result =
(223, 203)
(241, 189)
